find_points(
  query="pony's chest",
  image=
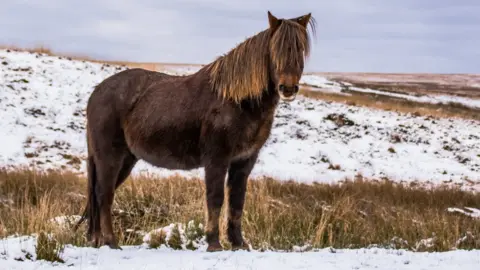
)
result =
(252, 138)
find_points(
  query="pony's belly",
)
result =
(169, 151)
(170, 162)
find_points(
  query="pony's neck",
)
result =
(268, 100)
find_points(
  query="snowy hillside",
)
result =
(42, 102)
(139, 257)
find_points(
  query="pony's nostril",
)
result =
(281, 87)
(296, 87)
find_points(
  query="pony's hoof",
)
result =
(214, 247)
(243, 246)
(114, 246)
(93, 241)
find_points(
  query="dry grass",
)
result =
(389, 103)
(278, 215)
(50, 52)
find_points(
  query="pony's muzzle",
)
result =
(288, 93)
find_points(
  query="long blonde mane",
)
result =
(242, 73)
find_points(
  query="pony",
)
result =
(218, 118)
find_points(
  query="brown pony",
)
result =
(218, 118)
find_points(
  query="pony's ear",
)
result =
(273, 21)
(303, 20)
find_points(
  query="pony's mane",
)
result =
(242, 73)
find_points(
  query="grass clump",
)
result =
(175, 239)
(48, 249)
(157, 239)
(194, 232)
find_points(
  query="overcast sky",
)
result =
(440, 36)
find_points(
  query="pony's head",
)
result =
(276, 54)
(288, 48)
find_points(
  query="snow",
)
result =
(188, 235)
(42, 102)
(323, 84)
(468, 211)
(141, 257)
(65, 221)
(178, 70)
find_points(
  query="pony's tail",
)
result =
(91, 210)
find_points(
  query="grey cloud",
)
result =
(352, 35)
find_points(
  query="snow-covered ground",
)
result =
(14, 250)
(42, 102)
(323, 84)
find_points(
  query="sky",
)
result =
(433, 36)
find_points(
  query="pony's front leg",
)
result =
(237, 185)
(215, 181)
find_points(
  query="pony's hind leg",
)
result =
(129, 162)
(118, 168)
(237, 186)
(108, 170)
(113, 163)
(92, 211)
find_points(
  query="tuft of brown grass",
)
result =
(157, 239)
(278, 215)
(48, 249)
